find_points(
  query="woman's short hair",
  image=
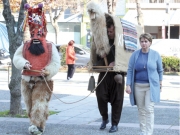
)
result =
(146, 36)
(71, 42)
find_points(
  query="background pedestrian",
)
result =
(70, 59)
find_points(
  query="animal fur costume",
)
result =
(98, 29)
(100, 42)
(41, 55)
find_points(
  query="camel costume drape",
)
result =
(121, 54)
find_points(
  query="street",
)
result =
(83, 118)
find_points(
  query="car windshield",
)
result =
(83, 47)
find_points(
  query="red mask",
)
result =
(37, 22)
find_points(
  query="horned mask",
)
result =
(36, 20)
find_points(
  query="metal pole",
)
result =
(163, 30)
(168, 21)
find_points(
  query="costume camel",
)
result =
(126, 39)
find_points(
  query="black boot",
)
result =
(103, 125)
(113, 128)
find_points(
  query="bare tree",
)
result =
(15, 40)
(54, 20)
(49, 6)
(60, 6)
(139, 14)
(111, 4)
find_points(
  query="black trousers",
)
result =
(110, 91)
(71, 70)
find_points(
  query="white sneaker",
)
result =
(33, 130)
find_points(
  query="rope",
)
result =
(77, 100)
(171, 125)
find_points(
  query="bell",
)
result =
(118, 78)
(91, 84)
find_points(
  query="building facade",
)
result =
(161, 18)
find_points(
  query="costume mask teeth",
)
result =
(92, 15)
(36, 41)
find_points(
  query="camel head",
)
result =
(94, 10)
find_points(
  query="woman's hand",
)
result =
(128, 89)
(160, 87)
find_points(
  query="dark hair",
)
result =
(146, 36)
(71, 42)
(109, 21)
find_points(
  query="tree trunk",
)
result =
(113, 7)
(109, 6)
(56, 27)
(139, 15)
(15, 40)
(54, 22)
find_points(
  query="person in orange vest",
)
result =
(70, 59)
(39, 61)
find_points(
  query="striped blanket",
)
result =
(129, 35)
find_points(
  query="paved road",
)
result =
(83, 118)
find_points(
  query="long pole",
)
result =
(163, 30)
(168, 21)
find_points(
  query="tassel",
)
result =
(91, 84)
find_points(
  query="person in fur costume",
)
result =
(39, 61)
(109, 90)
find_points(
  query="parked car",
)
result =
(82, 54)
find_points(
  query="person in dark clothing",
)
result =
(109, 90)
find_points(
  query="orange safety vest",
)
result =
(38, 62)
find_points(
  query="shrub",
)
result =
(62, 50)
(171, 63)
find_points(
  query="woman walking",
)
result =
(70, 59)
(144, 81)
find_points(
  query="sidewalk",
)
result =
(83, 118)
